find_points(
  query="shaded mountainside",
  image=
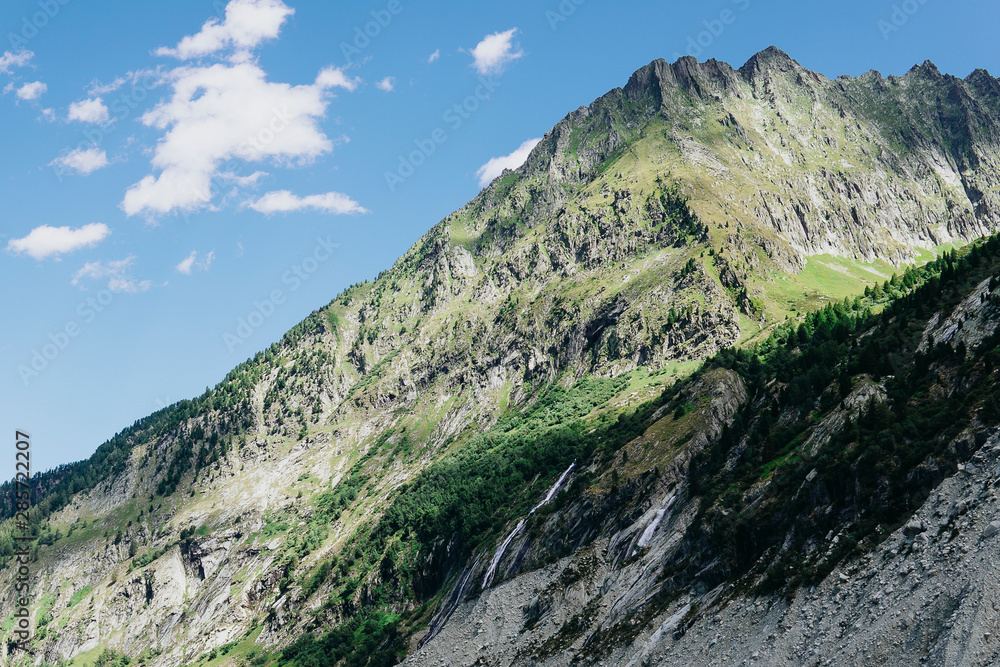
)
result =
(826, 496)
(507, 406)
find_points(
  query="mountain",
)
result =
(667, 386)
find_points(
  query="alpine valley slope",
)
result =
(357, 491)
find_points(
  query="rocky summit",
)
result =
(712, 379)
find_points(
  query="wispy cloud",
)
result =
(434, 56)
(493, 53)
(118, 273)
(387, 84)
(149, 78)
(32, 91)
(82, 160)
(283, 201)
(243, 181)
(191, 263)
(334, 77)
(46, 241)
(11, 60)
(495, 166)
(89, 111)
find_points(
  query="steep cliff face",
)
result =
(369, 473)
(862, 167)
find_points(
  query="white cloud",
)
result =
(11, 60)
(496, 165)
(191, 263)
(242, 181)
(32, 91)
(82, 160)
(89, 111)
(387, 84)
(495, 51)
(141, 78)
(283, 201)
(247, 24)
(332, 77)
(44, 241)
(434, 56)
(130, 285)
(118, 274)
(98, 88)
(187, 264)
(225, 112)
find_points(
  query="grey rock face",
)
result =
(991, 529)
(923, 597)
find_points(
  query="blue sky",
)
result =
(170, 167)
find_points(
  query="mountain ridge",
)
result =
(689, 210)
(718, 81)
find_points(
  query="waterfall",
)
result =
(451, 603)
(502, 549)
(647, 534)
(491, 570)
(554, 489)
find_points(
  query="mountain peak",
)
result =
(927, 70)
(770, 59)
(773, 53)
(981, 76)
(709, 79)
